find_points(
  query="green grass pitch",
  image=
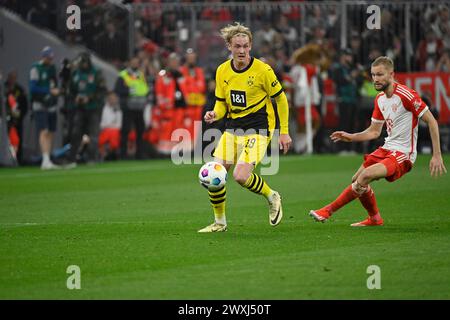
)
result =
(131, 227)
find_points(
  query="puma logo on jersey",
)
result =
(225, 81)
(274, 83)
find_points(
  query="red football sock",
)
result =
(370, 204)
(345, 197)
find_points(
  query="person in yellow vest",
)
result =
(132, 89)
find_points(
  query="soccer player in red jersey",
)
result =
(400, 108)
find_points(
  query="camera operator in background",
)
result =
(68, 109)
(87, 89)
(44, 97)
(347, 78)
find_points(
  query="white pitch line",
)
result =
(85, 169)
(31, 224)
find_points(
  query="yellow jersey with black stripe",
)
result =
(244, 95)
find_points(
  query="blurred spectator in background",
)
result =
(41, 14)
(367, 95)
(356, 48)
(93, 26)
(170, 91)
(111, 45)
(152, 26)
(169, 30)
(397, 53)
(383, 37)
(149, 56)
(345, 76)
(429, 51)
(333, 27)
(441, 25)
(305, 89)
(195, 89)
(87, 89)
(216, 14)
(16, 102)
(288, 33)
(110, 125)
(374, 52)
(443, 64)
(318, 36)
(132, 89)
(315, 20)
(266, 35)
(44, 92)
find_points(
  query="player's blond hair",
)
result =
(385, 61)
(237, 29)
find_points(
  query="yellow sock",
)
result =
(257, 185)
(217, 199)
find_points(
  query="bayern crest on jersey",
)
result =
(395, 107)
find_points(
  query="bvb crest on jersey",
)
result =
(250, 80)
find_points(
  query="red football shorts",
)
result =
(395, 162)
(14, 137)
(109, 136)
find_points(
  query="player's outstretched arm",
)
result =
(437, 166)
(341, 136)
(372, 132)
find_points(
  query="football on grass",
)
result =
(212, 175)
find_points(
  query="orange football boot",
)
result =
(321, 215)
(368, 223)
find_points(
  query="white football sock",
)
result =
(46, 158)
(222, 220)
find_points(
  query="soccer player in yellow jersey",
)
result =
(244, 87)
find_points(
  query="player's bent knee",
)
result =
(373, 173)
(365, 177)
(241, 177)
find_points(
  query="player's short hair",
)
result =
(385, 61)
(231, 31)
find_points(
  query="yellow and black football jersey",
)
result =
(245, 95)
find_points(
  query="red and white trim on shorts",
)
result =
(401, 158)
